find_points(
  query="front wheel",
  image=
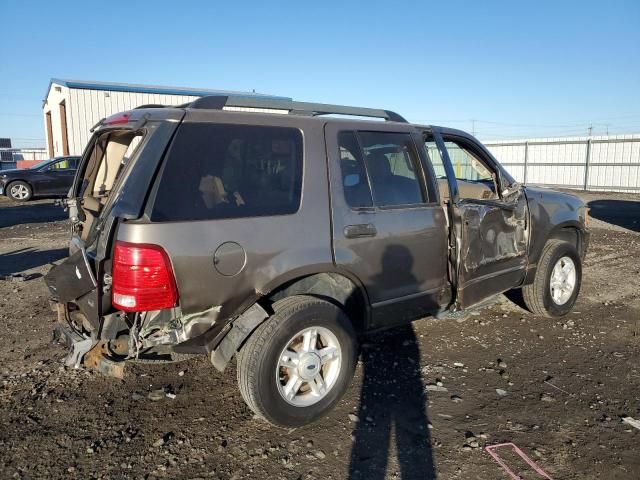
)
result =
(297, 365)
(19, 191)
(557, 282)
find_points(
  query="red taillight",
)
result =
(117, 119)
(142, 278)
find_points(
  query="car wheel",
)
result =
(297, 365)
(557, 282)
(19, 191)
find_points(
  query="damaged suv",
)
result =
(273, 232)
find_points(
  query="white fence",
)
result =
(606, 163)
(9, 156)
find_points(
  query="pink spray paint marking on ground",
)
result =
(491, 450)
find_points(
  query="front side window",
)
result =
(474, 177)
(61, 165)
(392, 165)
(216, 171)
(433, 153)
(466, 165)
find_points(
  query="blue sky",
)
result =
(515, 68)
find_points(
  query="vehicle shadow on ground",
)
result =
(624, 213)
(516, 297)
(31, 213)
(28, 258)
(392, 400)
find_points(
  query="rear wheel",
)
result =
(297, 365)
(557, 282)
(19, 191)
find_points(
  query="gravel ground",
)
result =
(425, 400)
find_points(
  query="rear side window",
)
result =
(354, 177)
(391, 161)
(215, 171)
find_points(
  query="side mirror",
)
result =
(515, 187)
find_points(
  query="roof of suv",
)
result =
(271, 106)
(275, 105)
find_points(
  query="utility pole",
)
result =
(590, 129)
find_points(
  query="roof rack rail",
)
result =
(217, 102)
(150, 105)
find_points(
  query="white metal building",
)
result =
(72, 107)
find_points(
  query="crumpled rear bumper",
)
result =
(84, 351)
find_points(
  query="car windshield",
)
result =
(41, 164)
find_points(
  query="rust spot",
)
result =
(98, 359)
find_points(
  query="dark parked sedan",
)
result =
(51, 178)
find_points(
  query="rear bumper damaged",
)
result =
(84, 350)
(152, 335)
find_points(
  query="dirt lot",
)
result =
(564, 386)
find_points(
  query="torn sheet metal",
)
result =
(162, 328)
(98, 358)
(492, 234)
(492, 240)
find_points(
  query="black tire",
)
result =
(19, 183)
(257, 361)
(537, 296)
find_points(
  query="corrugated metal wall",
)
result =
(86, 107)
(609, 163)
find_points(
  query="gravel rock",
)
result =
(156, 395)
(159, 442)
(432, 387)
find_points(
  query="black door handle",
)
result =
(360, 230)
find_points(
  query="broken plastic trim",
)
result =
(240, 330)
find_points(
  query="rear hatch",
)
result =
(112, 184)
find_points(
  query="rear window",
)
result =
(216, 171)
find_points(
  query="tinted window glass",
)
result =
(354, 178)
(391, 162)
(217, 171)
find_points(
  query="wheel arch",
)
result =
(337, 287)
(571, 232)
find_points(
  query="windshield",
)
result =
(40, 164)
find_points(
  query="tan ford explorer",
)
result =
(275, 232)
